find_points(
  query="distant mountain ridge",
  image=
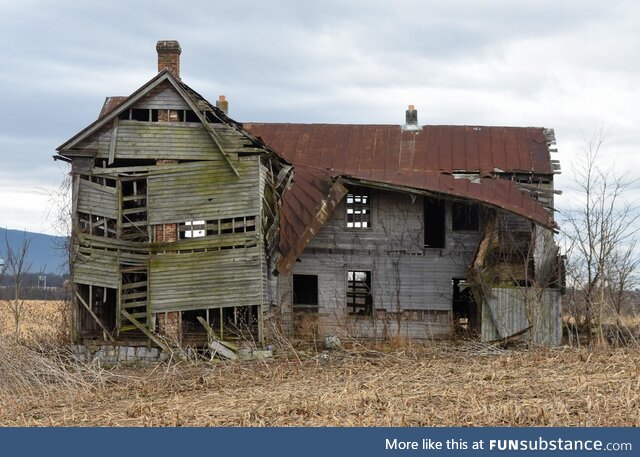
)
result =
(46, 253)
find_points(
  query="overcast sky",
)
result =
(568, 65)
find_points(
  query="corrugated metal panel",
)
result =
(505, 314)
(306, 206)
(180, 282)
(442, 148)
(111, 103)
(424, 160)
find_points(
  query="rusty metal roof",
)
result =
(388, 156)
(306, 206)
(111, 103)
(354, 149)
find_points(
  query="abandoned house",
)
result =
(187, 223)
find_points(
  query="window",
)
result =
(97, 225)
(192, 229)
(305, 293)
(434, 223)
(359, 297)
(358, 208)
(465, 217)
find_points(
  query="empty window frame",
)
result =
(359, 296)
(192, 229)
(434, 223)
(97, 225)
(359, 208)
(465, 217)
(305, 293)
(158, 115)
(195, 229)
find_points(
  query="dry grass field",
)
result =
(438, 384)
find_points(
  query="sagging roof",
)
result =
(354, 149)
(387, 156)
(306, 206)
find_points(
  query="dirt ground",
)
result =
(432, 384)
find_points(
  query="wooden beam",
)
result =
(217, 346)
(146, 331)
(104, 329)
(112, 144)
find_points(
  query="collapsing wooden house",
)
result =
(185, 219)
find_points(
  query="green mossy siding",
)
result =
(204, 191)
(97, 199)
(214, 279)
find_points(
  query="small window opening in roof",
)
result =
(138, 114)
(191, 116)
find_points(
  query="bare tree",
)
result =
(601, 232)
(17, 267)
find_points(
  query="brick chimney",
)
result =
(169, 56)
(411, 118)
(223, 104)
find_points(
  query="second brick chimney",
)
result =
(169, 56)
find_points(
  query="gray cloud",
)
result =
(570, 65)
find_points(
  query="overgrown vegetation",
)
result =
(399, 383)
(601, 237)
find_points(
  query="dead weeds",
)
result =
(403, 384)
(431, 385)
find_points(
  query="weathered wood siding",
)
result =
(412, 286)
(156, 140)
(513, 309)
(202, 191)
(163, 96)
(214, 279)
(97, 199)
(97, 267)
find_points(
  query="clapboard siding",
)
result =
(97, 199)
(205, 280)
(406, 278)
(161, 140)
(163, 96)
(208, 191)
(397, 224)
(96, 267)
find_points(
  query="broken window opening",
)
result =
(97, 225)
(138, 114)
(195, 229)
(434, 223)
(359, 296)
(212, 118)
(465, 217)
(190, 116)
(134, 209)
(192, 229)
(158, 115)
(305, 293)
(358, 208)
(465, 310)
(102, 303)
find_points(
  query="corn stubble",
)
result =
(404, 384)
